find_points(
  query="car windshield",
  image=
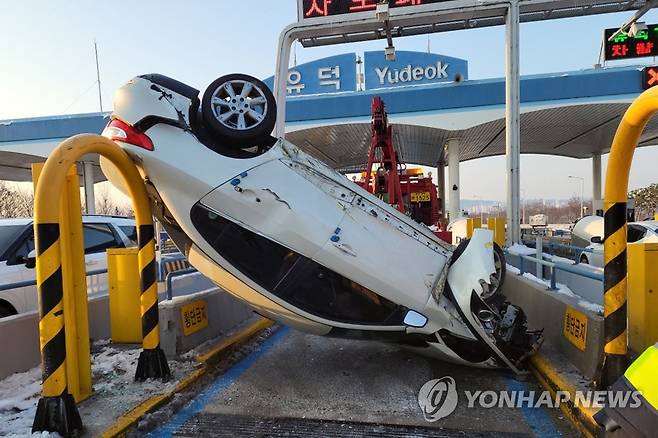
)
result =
(8, 234)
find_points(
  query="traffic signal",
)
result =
(649, 77)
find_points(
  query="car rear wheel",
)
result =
(239, 109)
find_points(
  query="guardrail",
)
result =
(170, 277)
(554, 267)
(171, 263)
(25, 283)
(552, 246)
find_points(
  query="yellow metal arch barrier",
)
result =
(56, 411)
(615, 229)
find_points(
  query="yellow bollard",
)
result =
(497, 225)
(471, 224)
(76, 318)
(56, 409)
(642, 295)
(124, 290)
(615, 309)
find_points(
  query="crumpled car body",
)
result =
(306, 247)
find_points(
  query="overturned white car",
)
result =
(300, 242)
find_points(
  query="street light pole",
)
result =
(582, 191)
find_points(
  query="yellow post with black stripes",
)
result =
(615, 229)
(74, 281)
(56, 410)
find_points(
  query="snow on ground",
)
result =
(558, 259)
(115, 392)
(561, 289)
(519, 249)
(592, 307)
(19, 394)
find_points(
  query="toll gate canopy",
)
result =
(429, 100)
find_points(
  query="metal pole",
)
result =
(453, 179)
(281, 80)
(88, 180)
(539, 249)
(512, 122)
(582, 195)
(98, 78)
(597, 203)
(596, 177)
(441, 181)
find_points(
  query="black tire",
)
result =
(7, 310)
(248, 120)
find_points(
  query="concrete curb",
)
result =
(132, 417)
(550, 379)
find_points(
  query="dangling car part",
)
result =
(298, 241)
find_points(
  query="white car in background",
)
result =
(17, 257)
(638, 232)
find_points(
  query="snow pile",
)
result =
(115, 391)
(19, 394)
(519, 249)
(558, 259)
(562, 289)
(592, 307)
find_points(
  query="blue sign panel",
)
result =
(334, 74)
(411, 68)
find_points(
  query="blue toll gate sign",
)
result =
(624, 46)
(335, 74)
(411, 68)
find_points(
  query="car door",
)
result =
(14, 269)
(387, 255)
(595, 257)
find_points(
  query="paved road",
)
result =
(296, 384)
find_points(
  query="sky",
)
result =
(47, 64)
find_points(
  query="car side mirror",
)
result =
(596, 239)
(31, 260)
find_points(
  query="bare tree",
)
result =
(15, 202)
(106, 205)
(24, 203)
(646, 201)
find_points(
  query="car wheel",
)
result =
(239, 109)
(7, 310)
(584, 260)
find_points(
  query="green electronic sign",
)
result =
(624, 46)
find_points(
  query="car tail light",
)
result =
(117, 130)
